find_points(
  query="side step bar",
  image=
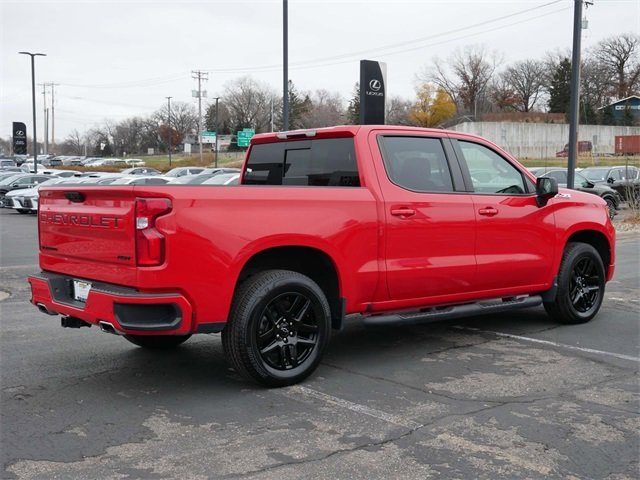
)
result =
(434, 314)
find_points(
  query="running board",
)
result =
(435, 314)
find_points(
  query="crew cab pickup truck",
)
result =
(400, 225)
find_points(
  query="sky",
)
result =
(120, 58)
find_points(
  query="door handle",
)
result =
(403, 212)
(488, 211)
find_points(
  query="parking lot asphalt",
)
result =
(506, 396)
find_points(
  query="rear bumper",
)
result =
(128, 310)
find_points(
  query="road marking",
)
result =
(555, 344)
(297, 391)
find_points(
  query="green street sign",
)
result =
(208, 134)
(244, 136)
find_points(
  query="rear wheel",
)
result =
(278, 328)
(157, 342)
(581, 282)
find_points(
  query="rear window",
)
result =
(329, 162)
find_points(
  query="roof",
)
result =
(621, 101)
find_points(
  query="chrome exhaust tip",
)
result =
(107, 327)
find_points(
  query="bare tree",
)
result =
(620, 55)
(249, 104)
(397, 111)
(326, 109)
(74, 143)
(465, 76)
(526, 79)
(184, 117)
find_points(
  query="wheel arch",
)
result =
(309, 261)
(598, 241)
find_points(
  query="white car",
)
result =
(26, 200)
(141, 180)
(135, 162)
(223, 179)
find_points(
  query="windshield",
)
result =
(10, 179)
(596, 174)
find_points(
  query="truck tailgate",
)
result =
(93, 226)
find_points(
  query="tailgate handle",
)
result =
(76, 197)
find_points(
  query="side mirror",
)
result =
(546, 188)
(610, 180)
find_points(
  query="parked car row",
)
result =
(19, 190)
(614, 184)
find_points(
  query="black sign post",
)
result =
(19, 138)
(373, 79)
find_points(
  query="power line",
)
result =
(342, 58)
(349, 56)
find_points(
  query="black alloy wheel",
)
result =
(581, 282)
(278, 328)
(287, 331)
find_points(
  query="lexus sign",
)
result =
(19, 138)
(372, 92)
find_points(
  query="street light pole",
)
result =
(216, 150)
(170, 132)
(33, 102)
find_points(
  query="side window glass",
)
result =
(323, 162)
(491, 173)
(417, 163)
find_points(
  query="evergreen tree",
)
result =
(560, 88)
(353, 110)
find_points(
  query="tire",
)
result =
(278, 328)
(581, 282)
(157, 342)
(611, 206)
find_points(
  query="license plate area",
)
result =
(81, 290)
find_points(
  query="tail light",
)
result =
(149, 241)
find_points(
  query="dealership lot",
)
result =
(508, 396)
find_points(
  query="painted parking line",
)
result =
(555, 344)
(300, 393)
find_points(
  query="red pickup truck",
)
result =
(401, 225)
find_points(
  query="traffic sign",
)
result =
(208, 137)
(244, 136)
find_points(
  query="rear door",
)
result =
(430, 221)
(515, 239)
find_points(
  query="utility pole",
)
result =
(45, 117)
(170, 131)
(216, 126)
(200, 76)
(574, 104)
(285, 65)
(33, 103)
(53, 118)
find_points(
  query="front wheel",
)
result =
(581, 282)
(278, 328)
(611, 206)
(157, 342)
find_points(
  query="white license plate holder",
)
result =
(81, 290)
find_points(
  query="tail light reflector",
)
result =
(150, 243)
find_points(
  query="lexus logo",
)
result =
(19, 132)
(375, 85)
